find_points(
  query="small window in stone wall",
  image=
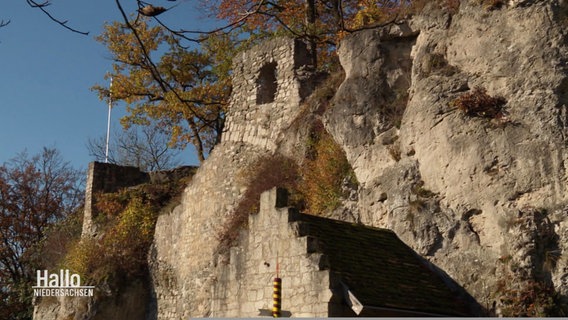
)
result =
(266, 84)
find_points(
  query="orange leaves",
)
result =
(123, 248)
(236, 9)
(263, 16)
(127, 219)
(111, 204)
(324, 172)
(178, 90)
(123, 44)
(478, 103)
(372, 12)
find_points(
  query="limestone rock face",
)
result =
(373, 96)
(466, 192)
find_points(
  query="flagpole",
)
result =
(108, 122)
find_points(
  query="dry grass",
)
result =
(324, 172)
(528, 299)
(319, 100)
(267, 173)
(395, 152)
(315, 186)
(478, 103)
(120, 253)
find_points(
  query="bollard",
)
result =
(277, 297)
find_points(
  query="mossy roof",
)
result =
(377, 267)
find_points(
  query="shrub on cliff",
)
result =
(126, 222)
(315, 186)
(324, 172)
(477, 103)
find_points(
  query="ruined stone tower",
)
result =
(269, 82)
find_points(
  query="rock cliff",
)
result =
(484, 199)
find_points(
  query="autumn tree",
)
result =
(145, 148)
(35, 193)
(182, 91)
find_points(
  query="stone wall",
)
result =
(185, 241)
(328, 268)
(244, 285)
(133, 298)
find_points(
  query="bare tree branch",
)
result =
(146, 148)
(182, 33)
(4, 23)
(43, 5)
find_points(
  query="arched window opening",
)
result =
(266, 84)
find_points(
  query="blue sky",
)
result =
(47, 72)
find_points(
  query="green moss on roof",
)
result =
(377, 267)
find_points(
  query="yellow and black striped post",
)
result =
(276, 297)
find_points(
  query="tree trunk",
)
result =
(338, 14)
(196, 141)
(310, 22)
